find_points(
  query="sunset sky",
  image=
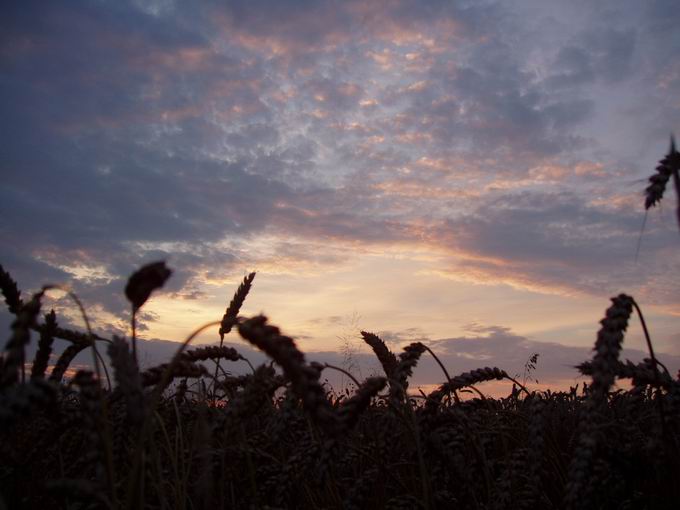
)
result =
(464, 173)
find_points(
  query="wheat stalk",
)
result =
(64, 361)
(231, 313)
(13, 362)
(211, 352)
(128, 379)
(230, 316)
(75, 337)
(461, 381)
(138, 289)
(351, 409)
(10, 292)
(603, 368)
(667, 167)
(257, 389)
(94, 413)
(181, 368)
(386, 357)
(642, 374)
(44, 346)
(303, 378)
(608, 345)
(407, 361)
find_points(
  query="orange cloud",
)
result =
(415, 189)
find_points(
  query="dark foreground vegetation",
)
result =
(182, 435)
(187, 434)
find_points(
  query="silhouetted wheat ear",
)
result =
(461, 381)
(350, 409)
(406, 363)
(181, 368)
(211, 352)
(65, 360)
(668, 166)
(229, 318)
(44, 346)
(386, 357)
(128, 379)
(138, 289)
(92, 415)
(75, 337)
(258, 389)
(676, 179)
(10, 291)
(608, 345)
(13, 361)
(144, 281)
(304, 378)
(603, 369)
(642, 374)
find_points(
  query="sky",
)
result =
(468, 174)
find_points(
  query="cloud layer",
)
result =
(505, 139)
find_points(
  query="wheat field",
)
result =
(189, 434)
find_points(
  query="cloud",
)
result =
(289, 135)
(499, 346)
(606, 55)
(558, 241)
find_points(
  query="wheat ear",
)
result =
(407, 362)
(64, 361)
(303, 378)
(386, 357)
(603, 367)
(13, 362)
(229, 318)
(128, 379)
(211, 352)
(351, 409)
(668, 166)
(44, 346)
(608, 345)
(139, 287)
(461, 381)
(10, 291)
